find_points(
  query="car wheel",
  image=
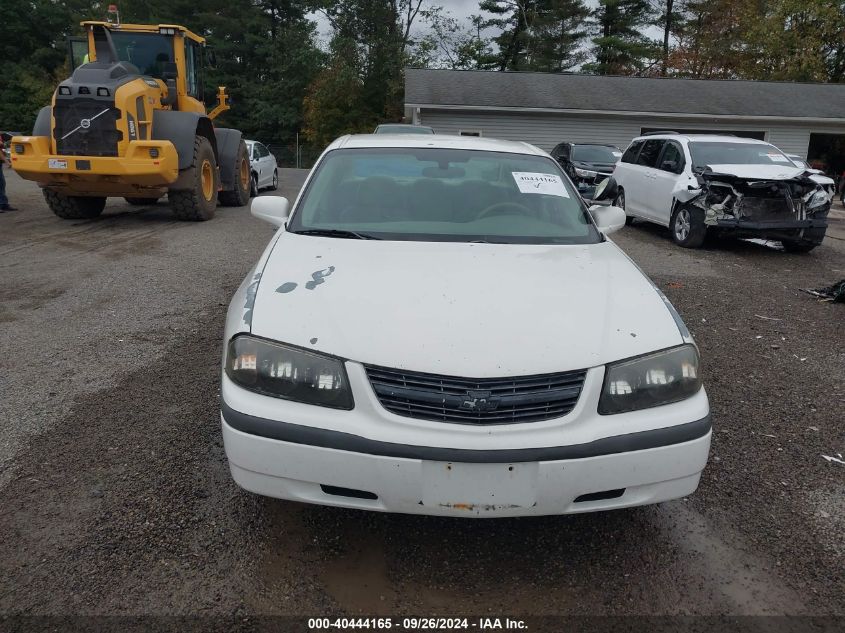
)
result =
(253, 186)
(687, 227)
(620, 202)
(275, 180)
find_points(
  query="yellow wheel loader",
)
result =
(131, 122)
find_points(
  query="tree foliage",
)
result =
(620, 46)
(544, 35)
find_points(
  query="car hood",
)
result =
(758, 172)
(474, 310)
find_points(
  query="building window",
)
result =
(469, 132)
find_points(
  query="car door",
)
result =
(269, 165)
(261, 165)
(254, 158)
(670, 167)
(641, 177)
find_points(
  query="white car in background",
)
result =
(442, 327)
(265, 171)
(731, 185)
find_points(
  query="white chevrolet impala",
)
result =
(441, 326)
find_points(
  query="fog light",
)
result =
(153, 152)
(102, 92)
(64, 90)
(19, 148)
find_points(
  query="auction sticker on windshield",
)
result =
(548, 184)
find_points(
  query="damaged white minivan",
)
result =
(742, 187)
(440, 326)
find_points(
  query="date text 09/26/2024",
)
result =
(416, 624)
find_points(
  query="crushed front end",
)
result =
(792, 208)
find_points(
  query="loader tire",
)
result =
(74, 207)
(140, 202)
(239, 196)
(198, 203)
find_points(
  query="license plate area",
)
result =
(56, 163)
(475, 487)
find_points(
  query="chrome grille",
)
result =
(509, 400)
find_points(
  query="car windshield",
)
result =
(428, 194)
(727, 153)
(149, 52)
(596, 153)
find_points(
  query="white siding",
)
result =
(547, 130)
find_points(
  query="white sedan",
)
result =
(265, 171)
(442, 327)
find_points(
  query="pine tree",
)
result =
(620, 47)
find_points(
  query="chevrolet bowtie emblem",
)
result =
(480, 401)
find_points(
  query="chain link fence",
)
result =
(301, 156)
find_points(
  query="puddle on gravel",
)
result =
(358, 579)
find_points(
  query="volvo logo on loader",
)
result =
(85, 124)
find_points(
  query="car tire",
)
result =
(198, 203)
(74, 207)
(140, 202)
(809, 240)
(687, 226)
(239, 196)
(275, 184)
(619, 201)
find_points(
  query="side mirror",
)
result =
(606, 190)
(608, 219)
(272, 209)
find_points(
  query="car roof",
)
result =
(443, 141)
(704, 138)
(403, 125)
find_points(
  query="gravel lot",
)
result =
(117, 500)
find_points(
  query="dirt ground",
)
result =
(116, 497)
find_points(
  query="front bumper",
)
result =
(110, 175)
(371, 459)
(329, 476)
(775, 225)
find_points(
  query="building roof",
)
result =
(644, 95)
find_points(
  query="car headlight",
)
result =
(818, 198)
(586, 173)
(282, 371)
(650, 381)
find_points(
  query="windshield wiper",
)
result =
(342, 233)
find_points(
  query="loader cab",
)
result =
(170, 53)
